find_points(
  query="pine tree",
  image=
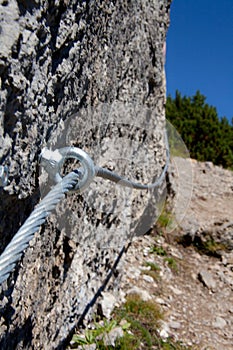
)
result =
(208, 137)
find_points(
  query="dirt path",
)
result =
(194, 290)
(197, 298)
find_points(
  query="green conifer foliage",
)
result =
(208, 137)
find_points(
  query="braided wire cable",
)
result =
(76, 180)
(20, 241)
(109, 175)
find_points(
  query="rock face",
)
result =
(90, 74)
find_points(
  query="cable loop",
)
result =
(88, 167)
(53, 161)
(77, 180)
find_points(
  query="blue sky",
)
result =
(200, 51)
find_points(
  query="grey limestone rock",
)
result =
(219, 322)
(207, 279)
(111, 337)
(88, 74)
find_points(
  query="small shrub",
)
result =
(94, 336)
(141, 322)
(158, 250)
(143, 316)
(209, 247)
(204, 245)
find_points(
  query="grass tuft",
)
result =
(158, 250)
(140, 322)
(171, 263)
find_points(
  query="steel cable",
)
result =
(20, 241)
(76, 180)
(108, 174)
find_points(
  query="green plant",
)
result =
(153, 272)
(171, 263)
(158, 250)
(96, 335)
(88, 338)
(144, 309)
(153, 266)
(170, 344)
(141, 322)
(144, 318)
(209, 247)
(165, 218)
(204, 244)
